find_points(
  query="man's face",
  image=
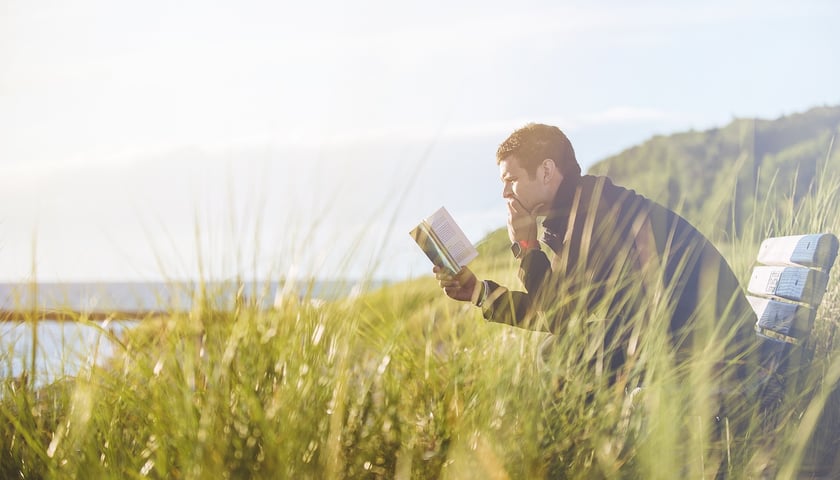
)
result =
(530, 190)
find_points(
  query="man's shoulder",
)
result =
(632, 202)
(620, 193)
(611, 192)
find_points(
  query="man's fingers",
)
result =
(443, 275)
(464, 274)
(515, 207)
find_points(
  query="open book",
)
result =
(443, 241)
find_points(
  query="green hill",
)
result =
(717, 177)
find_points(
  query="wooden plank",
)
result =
(799, 284)
(815, 250)
(71, 316)
(782, 318)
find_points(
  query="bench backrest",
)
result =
(785, 290)
(787, 287)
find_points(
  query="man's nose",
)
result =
(507, 191)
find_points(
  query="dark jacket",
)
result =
(624, 258)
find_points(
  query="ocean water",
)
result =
(103, 297)
(64, 348)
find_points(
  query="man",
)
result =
(616, 255)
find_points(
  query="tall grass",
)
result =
(402, 383)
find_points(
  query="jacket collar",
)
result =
(561, 205)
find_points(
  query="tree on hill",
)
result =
(717, 177)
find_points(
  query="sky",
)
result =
(156, 140)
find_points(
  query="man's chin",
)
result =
(540, 210)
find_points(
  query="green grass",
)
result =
(402, 383)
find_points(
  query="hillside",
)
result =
(716, 177)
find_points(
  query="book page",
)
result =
(452, 237)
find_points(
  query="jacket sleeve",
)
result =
(552, 297)
(519, 308)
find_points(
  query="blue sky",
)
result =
(308, 137)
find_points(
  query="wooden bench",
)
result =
(785, 291)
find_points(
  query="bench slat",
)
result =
(788, 319)
(799, 284)
(814, 250)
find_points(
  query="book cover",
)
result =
(443, 241)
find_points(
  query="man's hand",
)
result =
(522, 224)
(464, 286)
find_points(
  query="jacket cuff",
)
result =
(492, 293)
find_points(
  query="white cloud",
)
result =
(625, 114)
(403, 133)
(487, 29)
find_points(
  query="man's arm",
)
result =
(519, 308)
(498, 304)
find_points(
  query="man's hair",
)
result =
(535, 142)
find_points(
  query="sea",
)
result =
(65, 347)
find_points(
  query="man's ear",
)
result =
(550, 173)
(548, 169)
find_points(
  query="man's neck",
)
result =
(565, 193)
